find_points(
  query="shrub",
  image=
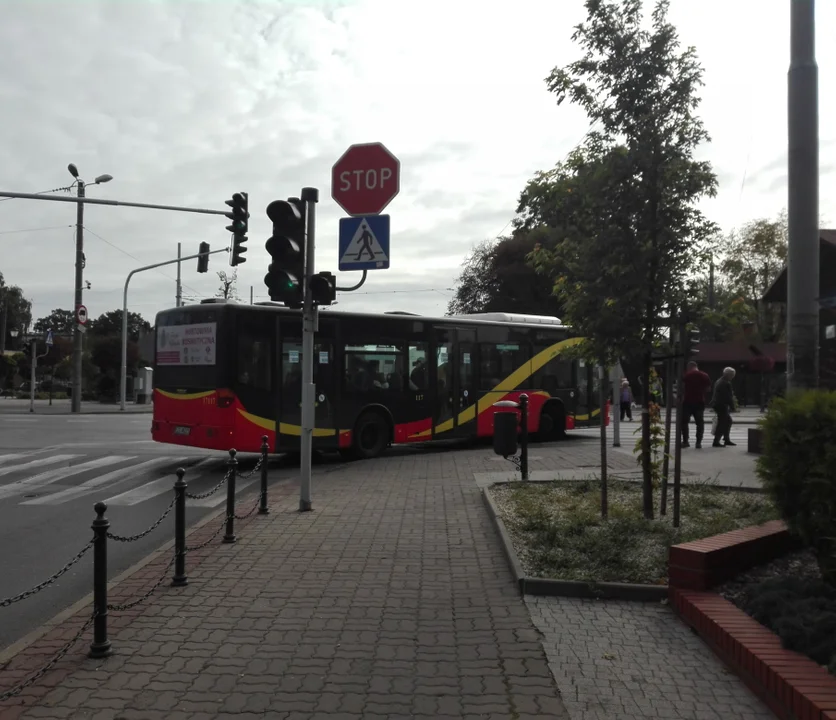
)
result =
(798, 469)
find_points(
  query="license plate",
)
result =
(182, 430)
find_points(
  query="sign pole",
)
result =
(310, 196)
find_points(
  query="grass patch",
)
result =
(557, 530)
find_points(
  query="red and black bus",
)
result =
(226, 373)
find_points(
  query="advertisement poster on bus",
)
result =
(186, 344)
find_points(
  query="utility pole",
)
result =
(803, 200)
(310, 197)
(178, 298)
(251, 294)
(4, 316)
(75, 405)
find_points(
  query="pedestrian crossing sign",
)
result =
(364, 243)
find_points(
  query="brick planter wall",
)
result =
(792, 685)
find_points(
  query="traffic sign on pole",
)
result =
(364, 243)
(49, 341)
(365, 179)
(81, 315)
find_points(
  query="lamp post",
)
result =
(79, 282)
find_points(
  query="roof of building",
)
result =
(777, 292)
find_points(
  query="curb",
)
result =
(548, 587)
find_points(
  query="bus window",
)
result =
(556, 374)
(253, 362)
(374, 368)
(417, 355)
(499, 360)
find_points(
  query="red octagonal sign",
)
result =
(365, 179)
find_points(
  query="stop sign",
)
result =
(365, 179)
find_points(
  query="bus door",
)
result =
(467, 390)
(290, 394)
(444, 383)
(254, 373)
(586, 400)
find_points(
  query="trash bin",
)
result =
(505, 428)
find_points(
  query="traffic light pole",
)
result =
(310, 196)
(123, 376)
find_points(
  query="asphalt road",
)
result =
(53, 469)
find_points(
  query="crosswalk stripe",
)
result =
(56, 474)
(150, 489)
(121, 475)
(10, 457)
(218, 497)
(40, 462)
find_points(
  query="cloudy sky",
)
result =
(185, 103)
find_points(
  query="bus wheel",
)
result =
(552, 424)
(371, 434)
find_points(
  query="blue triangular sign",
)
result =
(49, 337)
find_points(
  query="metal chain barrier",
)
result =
(253, 471)
(28, 593)
(208, 540)
(118, 607)
(46, 668)
(134, 538)
(252, 510)
(203, 496)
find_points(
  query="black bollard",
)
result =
(524, 437)
(262, 503)
(229, 536)
(180, 486)
(100, 647)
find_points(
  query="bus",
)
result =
(226, 374)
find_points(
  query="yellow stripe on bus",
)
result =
(284, 428)
(510, 383)
(185, 396)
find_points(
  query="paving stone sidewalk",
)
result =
(392, 599)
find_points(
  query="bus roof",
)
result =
(491, 318)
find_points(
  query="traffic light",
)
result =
(285, 278)
(203, 260)
(691, 341)
(324, 288)
(238, 227)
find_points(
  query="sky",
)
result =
(185, 103)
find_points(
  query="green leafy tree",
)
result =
(109, 324)
(15, 313)
(497, 277)
(61, 322)
(627, 201)
(106, 355)
(753, 257)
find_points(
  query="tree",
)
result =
(15, 312)
(497, 277)
(752, 258)
(106, 355)
(61, 322)
(109, 324)
(627, 200)
(228, 289)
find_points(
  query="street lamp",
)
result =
(79, 283)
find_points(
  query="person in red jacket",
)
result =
(696, 385)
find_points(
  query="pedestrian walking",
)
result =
(722, 401)
(626, 400)
(696, 386)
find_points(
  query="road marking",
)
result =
(19, 420)
(15, 456)
(79, 420)
(121, 475)
(40, 462)
(51, 476)
(149, 489)
(218, 497)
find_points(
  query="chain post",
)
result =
(180, 486)
(524, 437)
(100, 647)
(262, 504)
(229, 536)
